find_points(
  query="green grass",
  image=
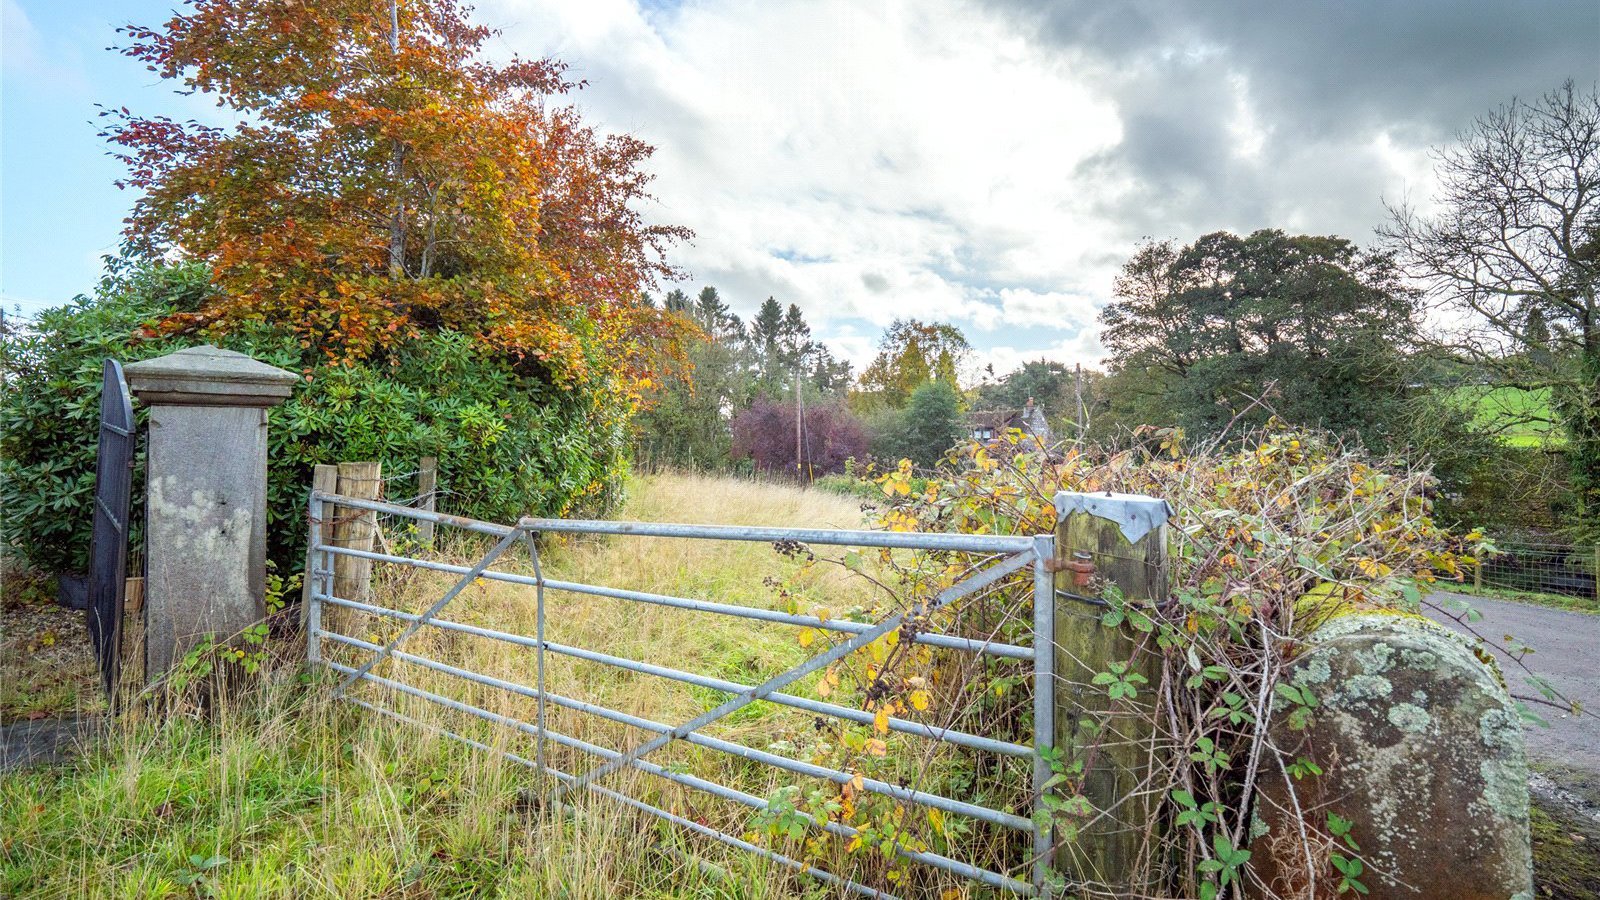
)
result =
(285, 793)
(1520, 417)
(1554, 601)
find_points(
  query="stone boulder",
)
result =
(1421, 748)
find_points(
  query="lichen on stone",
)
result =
(1363, 689)
(1409, 718)
(1315, 670)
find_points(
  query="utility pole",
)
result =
(799, 424)
(1077, 399)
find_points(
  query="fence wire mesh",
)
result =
(1541, 567)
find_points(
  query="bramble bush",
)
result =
(508, 444)
(1285, 528)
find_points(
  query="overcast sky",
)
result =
(989, 164)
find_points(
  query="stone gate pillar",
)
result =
(205, 495)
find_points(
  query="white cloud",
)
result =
(869, 162)
(19, 40)
(1082, 348)
(957, 160)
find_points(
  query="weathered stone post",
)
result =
(205, 495)
(1121, 538)
(1421, 750)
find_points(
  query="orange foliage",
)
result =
(385, 179)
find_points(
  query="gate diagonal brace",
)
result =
(471, 576)
(975, 583)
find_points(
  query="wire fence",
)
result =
(1542, 567)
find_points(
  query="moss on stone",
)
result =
(1566, 859)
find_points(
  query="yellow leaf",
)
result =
(881, 720)
(823, 688)
(919, 700)
(807, 636)
(936, 819)
(858, 783)
(876, 747)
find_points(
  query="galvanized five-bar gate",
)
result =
(1006, 555)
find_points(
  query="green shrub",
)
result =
(847, 485)
(507, 444)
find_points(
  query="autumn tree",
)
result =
(828, 435)
(730, 365)
(910, 353)
(385, 180)
(1512, 252)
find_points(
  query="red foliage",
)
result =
(829, 435)
(384, 179)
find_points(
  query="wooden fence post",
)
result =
(427, 485)
(355, 529)
(1124, 537)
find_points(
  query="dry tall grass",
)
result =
(285, 794)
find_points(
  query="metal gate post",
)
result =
(1044, 703)
(316, 562)
(538, 595)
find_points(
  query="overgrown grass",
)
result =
(1537, 598)
(287, 794)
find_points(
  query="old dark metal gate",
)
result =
(108, 547)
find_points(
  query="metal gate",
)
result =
(1005, 555)
(108, 545)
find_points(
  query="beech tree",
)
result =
(386, 180)
(1513, 252)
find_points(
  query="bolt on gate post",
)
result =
(1123, 537)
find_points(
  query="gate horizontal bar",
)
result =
(990, 648)
(462, 522)
(833, 654)
(966, 870)
(705, 830)
(932, 639)
(957, 807)
(895, 540)
(961, 738)
(901, 540)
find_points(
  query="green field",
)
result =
(1521, 417)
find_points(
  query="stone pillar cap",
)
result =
(209, 376)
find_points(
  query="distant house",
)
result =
(991, 424)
